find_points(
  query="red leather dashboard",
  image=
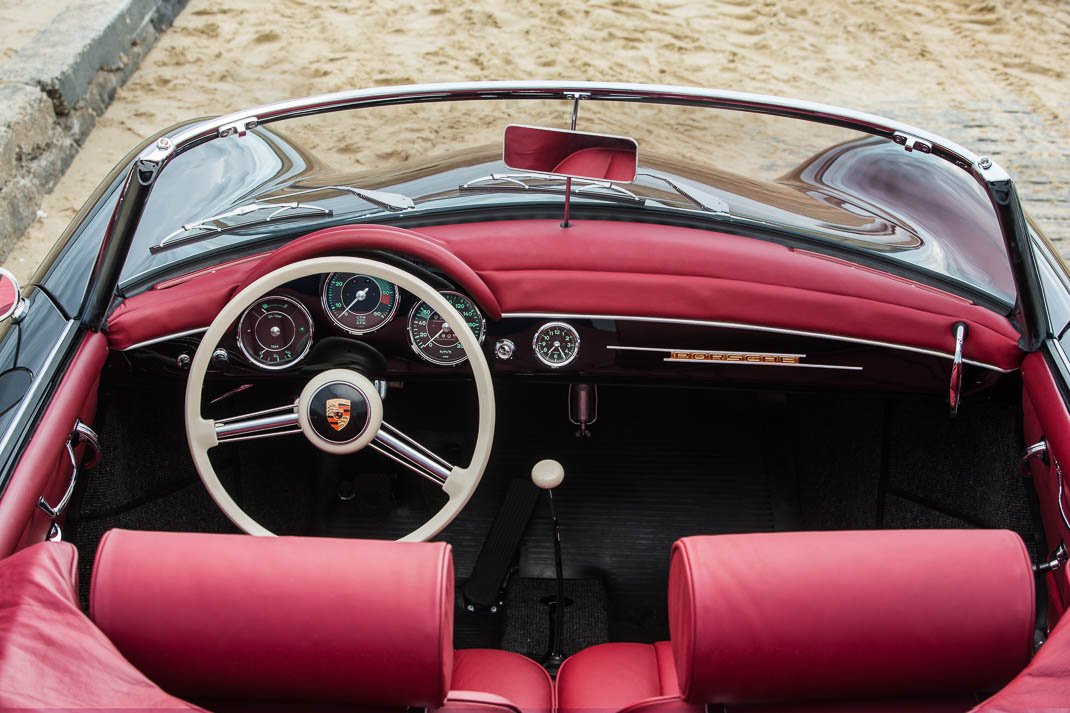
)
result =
(618, 269)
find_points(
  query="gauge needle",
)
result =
(557, 346)
(360, 295)
(432, 341)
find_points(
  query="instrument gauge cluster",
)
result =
(359, 304)
(434, 339)
(556, 344)
(276, 332)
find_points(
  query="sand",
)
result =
(945, 59)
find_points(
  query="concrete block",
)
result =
(82, 40)
(26, 120)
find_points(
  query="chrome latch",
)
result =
(1037, 450)
(1058, 559)
(955, 396)
(239, 127)
(79, 435)
(912, 143)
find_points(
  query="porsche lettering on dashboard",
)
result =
(735, 357)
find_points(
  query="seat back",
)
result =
(288, 619)
(809, 616)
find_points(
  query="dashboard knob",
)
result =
(183, 360)
(505, 349)
(220, 358)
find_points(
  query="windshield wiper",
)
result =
(214, 225)
(702, 199)
(383, 199)
(543, 183)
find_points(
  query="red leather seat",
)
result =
(825, 621)
(235, 622)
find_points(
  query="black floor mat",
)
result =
(526, 619)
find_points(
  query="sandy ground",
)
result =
(937, 60)
(22, 19)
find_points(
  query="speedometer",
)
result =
(434, 339)
(275, 332)
(359, 304)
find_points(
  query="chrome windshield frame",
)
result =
(997, 183)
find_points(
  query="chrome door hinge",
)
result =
(79, 435)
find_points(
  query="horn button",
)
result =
(340, 411)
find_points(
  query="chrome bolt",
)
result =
(163, 143)
(984, 162)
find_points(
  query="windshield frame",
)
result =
(1027, 313)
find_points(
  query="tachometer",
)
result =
(556, 344)
(434, 339)
(275, 333)
(359, 304)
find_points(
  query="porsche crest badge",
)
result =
(338, 413)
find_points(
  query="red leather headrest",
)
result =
(212, 617)
(825, 615)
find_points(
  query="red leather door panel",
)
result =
(45, 467)
(1046, 417)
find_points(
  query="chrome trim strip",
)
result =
(981, 168)
(691, 349)
(761, 363)
(165, 338)
(753, 328)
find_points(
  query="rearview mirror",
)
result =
(573, 154)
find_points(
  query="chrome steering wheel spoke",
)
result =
(278, 421)
(405, 450)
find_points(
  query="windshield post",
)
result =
(1029, 308)
(118, 238)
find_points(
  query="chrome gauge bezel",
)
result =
(543, 360)
(350, 330)
(255, 360)
(439, 362)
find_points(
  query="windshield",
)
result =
(724, 170)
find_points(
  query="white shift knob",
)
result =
(547, 474)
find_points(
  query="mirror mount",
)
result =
(13, 305)
(569, 154)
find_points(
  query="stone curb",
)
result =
(54, 88)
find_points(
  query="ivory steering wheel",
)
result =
(310, 414)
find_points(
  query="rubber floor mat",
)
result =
(526, 618)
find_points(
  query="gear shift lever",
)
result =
(548, 474)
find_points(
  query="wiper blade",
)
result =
(213, 225)
(544, 183)
(702, 199)
(281, 211)
(383, 199)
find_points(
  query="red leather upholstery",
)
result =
(813, 615)
(51, 655)
(612, 677)
(510, 676)
(1044, 685)
(217, 617)
(1045, 417)
(607, 268)
(45, 468)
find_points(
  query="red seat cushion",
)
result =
(820, 615)
(314, 620)
(612, 677)
(51, 656)
(513, 677)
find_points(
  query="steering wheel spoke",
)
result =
(412, 454)
(278, 421)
